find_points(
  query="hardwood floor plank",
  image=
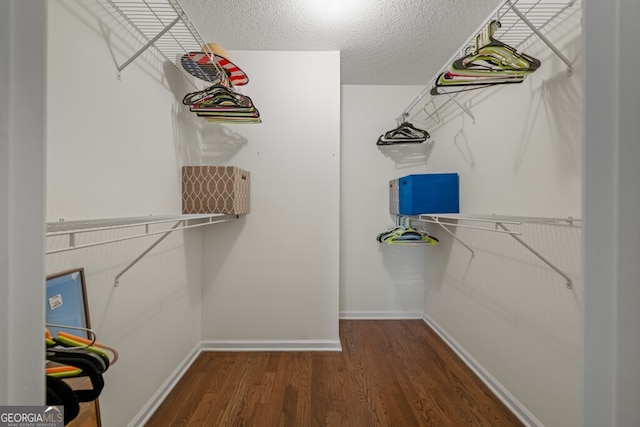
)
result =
(300, 380)
(181, 396)
(365, 406)
(417, 386)
(212, 372)
(383, 363)
(390, 373)
(231, 409)
(271, 412)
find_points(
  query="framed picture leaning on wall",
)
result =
(67, 304)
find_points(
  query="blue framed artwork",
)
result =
(66, 302)
(66, 305)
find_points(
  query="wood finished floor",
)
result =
(390, 373)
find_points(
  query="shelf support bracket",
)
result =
(536, 253)
(149, 44)
(145, 252)
(463, 108)
(452, 234)
(542, 37)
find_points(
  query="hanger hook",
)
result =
(403, 118)
(92, 334)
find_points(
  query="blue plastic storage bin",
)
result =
(424, 194)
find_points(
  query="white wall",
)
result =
(114, 149)
(271, 279)
(376, 280)
(612, 200)
(504, 310)
(115, 144)
(22, 136)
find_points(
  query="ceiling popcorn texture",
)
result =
(382, 42)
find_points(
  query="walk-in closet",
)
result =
(212, 228)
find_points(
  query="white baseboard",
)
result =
(518, 409)
(380, 315)
(271, 345)
(156, 400)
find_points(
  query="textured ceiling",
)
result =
(382, 42)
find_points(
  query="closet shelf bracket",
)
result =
(463, 108)
(500, 223)
(116, 282)
(180, 225)
(542, 36)
(536, 253)
(452, 234)
(148, 45)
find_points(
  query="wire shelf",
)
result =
(522, 23)
(501, 224)
(137, 227)
(165, 26)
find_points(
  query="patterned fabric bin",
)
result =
(215, 189)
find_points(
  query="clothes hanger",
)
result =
(408, 130)
(106, 354)
(451, 78)
(496, 60)
(492, 55)
(220, 104)
(404, 234)
(76, 341)
(448, 79)
(91, 365)
(229, 114)
(89, 331)
(75, 363)
(406, 237)
(83, 360)
(216, 95)
(59, 393)
(492, 62)
(404, 133)
(65, 339)
(210, 91)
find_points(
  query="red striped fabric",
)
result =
(236, 75)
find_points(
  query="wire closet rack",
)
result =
(165, 26)
(523, 22)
